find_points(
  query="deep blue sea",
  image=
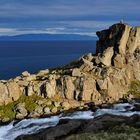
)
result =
(16, 57)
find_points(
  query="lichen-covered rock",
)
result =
(21, 111)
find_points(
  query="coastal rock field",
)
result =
(108, 76)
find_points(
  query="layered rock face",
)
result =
(103, 77)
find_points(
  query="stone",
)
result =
(133, 41)
(41, 102)
(43, 72)
(56, 104)
(102, 83)
(86, 66)
(136, 107)
(31, 77)
(5, 120)
(25, 74)
(33, 114)
(88, 56)
(21, 111)
(19, 116)
(39, 110)
(4, 95)
(87, 87)
(47, 110)
(50, 88)
(54, 110)
(48, 103)
(74, 103)
(68, 87)
(66, 105)
(76, 72)
(23, 83)
(119, 61)
(106, 57)
(30, 90)
(14, 90)
(124, 38)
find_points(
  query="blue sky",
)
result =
(83, 17)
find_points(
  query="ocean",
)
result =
(19, 56)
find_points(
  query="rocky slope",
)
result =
(104, 77)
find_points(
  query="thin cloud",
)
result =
(12, 32)
(64, 16)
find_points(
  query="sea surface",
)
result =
(18, 56)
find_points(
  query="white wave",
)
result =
(5, 129)
(79, 115)
(123, 106)
(27, 126)
(101, 112)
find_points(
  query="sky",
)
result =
(83, 17)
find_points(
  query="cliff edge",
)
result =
(103, 77)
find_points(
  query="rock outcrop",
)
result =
(103, 77)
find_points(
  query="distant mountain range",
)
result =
(46, 37)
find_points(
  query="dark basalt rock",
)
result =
(66, 128)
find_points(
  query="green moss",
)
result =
(135, 88)
(8, 111)
(51, 106)
(30, 102)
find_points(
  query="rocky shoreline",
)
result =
(110, 75)
(106, 127)
(119, 121)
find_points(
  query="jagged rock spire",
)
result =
(122, 38)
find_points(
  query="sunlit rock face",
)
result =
(103, 77)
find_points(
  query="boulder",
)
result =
(50, 88)
(54, 110)
(14, 90)
(68, 87)
(39, 110)
(76, 72)
(86, 66)
(4, 94)
(25, 74)
(65, 105)
(21, 111)
(47, 110)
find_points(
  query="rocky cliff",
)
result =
(104, 77)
